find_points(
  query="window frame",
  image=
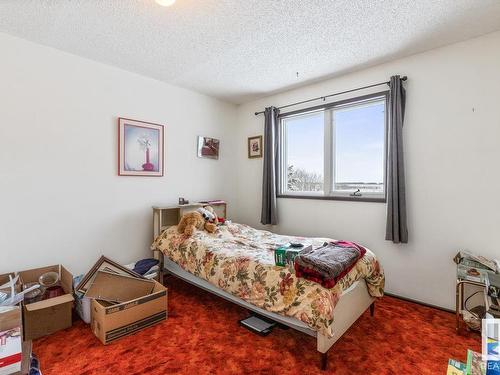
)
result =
(328, 192)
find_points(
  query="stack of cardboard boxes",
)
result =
(122, 303)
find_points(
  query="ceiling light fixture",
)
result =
(165, 3)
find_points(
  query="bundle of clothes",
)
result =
(327, 264)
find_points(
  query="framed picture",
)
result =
(140, 148)
(255, 147)
(208, 147)
(103, 264)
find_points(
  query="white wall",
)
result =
(452, 145)
(61, 200)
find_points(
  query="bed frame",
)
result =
(352, 304)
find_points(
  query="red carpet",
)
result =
(202, 336)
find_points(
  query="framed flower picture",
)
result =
(255, 147)
(140, 148)
(208, 147)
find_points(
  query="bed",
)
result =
(237, 263)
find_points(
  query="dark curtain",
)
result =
(269, 186)
(396, 228)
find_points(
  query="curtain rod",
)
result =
(337, 93)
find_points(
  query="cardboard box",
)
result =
(48, 316)
(10, 340)
(26, 364)
(111, 322)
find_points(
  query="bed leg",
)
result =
(161, 272)
(372, 309)
(324, 361)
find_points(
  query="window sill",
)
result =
(334, 198)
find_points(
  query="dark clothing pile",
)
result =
(143, 266)
(327, 264)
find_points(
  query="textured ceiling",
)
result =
(238, 50)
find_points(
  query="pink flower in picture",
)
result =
(140, 148)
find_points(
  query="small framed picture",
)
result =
(140, 148)
(255, 147)
(208, 147)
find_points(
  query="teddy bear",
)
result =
(203, 218)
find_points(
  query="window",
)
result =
(304, 145)
(337, 151)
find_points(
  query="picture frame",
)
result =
(208, 147)
(255, 147)
(104, 287)
(140, 148)
(104, 264)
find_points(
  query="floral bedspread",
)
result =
(240, 260)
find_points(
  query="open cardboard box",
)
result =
(113, 321)
(48, 316)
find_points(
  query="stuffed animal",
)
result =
(189, 222)
(211, 219)
(208, 214)
(203, 218)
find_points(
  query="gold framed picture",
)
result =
(255, 147)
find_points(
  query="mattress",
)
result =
(240, 260)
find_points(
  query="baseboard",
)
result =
(420, 303)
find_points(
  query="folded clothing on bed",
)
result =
(328, 263)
